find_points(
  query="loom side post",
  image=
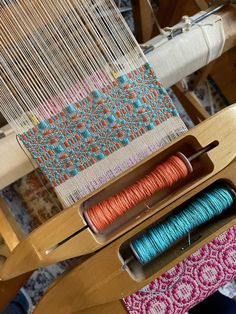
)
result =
(10, 237)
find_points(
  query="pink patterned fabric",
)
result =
(190, 281)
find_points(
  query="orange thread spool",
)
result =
(162, 176)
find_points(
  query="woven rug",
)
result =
(189, 282)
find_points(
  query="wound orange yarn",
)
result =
(164, 175)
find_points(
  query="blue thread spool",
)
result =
(201, 209)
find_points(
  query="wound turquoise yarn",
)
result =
(201, 209)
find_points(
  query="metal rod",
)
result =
(180, 30)
(203, 151)
(205, 15)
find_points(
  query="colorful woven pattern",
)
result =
(190, 281)
(90, 130)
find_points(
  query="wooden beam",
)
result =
(143, 20)
(9, 229)
(10, 236)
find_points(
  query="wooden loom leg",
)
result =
(9, 289)
(191, 104)
(143, 20)
(9, 229)
(168, 13)
(10, 236)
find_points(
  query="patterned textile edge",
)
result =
(92, 130)
(189, 282)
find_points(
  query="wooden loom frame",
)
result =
(7, 219)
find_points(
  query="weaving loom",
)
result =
(88, 106)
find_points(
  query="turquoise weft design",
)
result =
(91, 129)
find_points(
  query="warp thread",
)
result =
(61, 97)
(201, 209)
